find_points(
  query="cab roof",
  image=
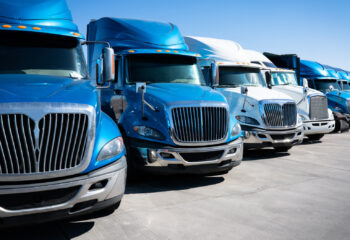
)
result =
(255, 56)
(136, 34)
(37, 15)
(225, 52)
(312, 69)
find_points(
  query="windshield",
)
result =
(41, 54)
(324, 85)
(238, 76)
(346, 85)
(163, 68)
(284, 78)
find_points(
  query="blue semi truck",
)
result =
(60, 155)
(172, 122)
(327, 81)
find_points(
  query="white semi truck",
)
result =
(312, 105)
(268, 117)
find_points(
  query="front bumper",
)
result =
(194, 160)
(318, 127)
(275, 138)
(83, 200)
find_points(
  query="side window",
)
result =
(207, 74)
(311, 83)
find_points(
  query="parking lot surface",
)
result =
(303, 194)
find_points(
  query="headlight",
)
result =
(148, 132)
(111, 149)
(303, 118)
(299, 119)
(247, 120)
(236, 130)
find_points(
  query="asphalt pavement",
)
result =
(303, 194)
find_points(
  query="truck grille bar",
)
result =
(318, 108)
(280, 115)
(200, 124)
(56, 142)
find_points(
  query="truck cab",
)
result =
(321, 79)
(268, 117)
(172, 122)
(60, 155)
(312, 104)
(341, 76)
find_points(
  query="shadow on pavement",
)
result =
(47, 231)
(261, 154)
(153, 183)
(309, 142)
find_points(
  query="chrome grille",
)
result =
(318, 108)
(200, 124)
(280, 115)
(56, 143)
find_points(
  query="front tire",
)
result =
(282, 149)
(315, 137)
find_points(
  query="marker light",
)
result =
(167, 50)
(6, 26)
(176, 51)
(36, 28)
(198, 55)
(159, 50)
(76, 34)
(22, 27)
(131, 51)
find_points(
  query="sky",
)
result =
(314, 29)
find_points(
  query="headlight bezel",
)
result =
(154, 134)
(247, 120)
(111, 149)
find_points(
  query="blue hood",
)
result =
(343, 94)
(37, 88)
(310, 69)
(168, 93)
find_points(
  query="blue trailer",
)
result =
(172, 122)
(60, 155)
(327, 81)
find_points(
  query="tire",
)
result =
(282, 149)
(315, 137)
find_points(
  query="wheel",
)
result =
(315, 137)
(282, 149)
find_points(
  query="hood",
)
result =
(343, 94)
(37, 88)
(296, 92)
(178, 93)
(260, 93)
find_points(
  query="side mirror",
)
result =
(305, 83)
(331, 88)
(268, 78)
(215, 74)
(108, 64)
(244, 90)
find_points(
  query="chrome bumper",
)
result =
(318, 127)
(115, 175)
(283, 137)
(169, 156)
